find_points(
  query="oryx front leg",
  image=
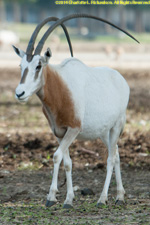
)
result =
(59, 154)
(51, 197)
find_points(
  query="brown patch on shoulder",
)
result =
(58, 97)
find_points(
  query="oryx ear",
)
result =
(47, 56)
(18, 51)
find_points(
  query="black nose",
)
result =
(20, 94)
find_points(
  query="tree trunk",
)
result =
(24, 14)
(16, 11)
(138, 20)
(108, 29)
(2, 12)
(122, 17)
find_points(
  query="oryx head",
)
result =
(31, 74)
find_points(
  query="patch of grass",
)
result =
(86, 213)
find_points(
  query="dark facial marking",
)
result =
(24, 76)
(38, 68)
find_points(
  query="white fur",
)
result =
(100, 96)
(30, 86)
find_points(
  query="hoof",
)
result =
(119, 202)
(101, 205)
(67, 206)
(50, 203)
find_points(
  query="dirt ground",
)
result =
(26, 151)
(22, 191)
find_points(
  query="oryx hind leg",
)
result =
(113, 161)
(120, 189)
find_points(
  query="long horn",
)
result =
(30, 46)
(60, 21)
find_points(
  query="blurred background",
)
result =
(96, 44)
(106, 45)
(26, 142)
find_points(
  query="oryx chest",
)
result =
(59, 132)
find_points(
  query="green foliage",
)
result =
(85, 213)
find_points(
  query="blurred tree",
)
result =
(37, 10)
(138, 19)
(16, 11)
(21, 8)
(122, 17)
(139, 11)
(2, 12)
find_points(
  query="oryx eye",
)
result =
(38, 67)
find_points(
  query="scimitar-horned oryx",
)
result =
(78, 102)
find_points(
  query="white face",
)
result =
(32, 78)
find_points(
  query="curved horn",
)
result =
(60, 21)
(30, 46)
